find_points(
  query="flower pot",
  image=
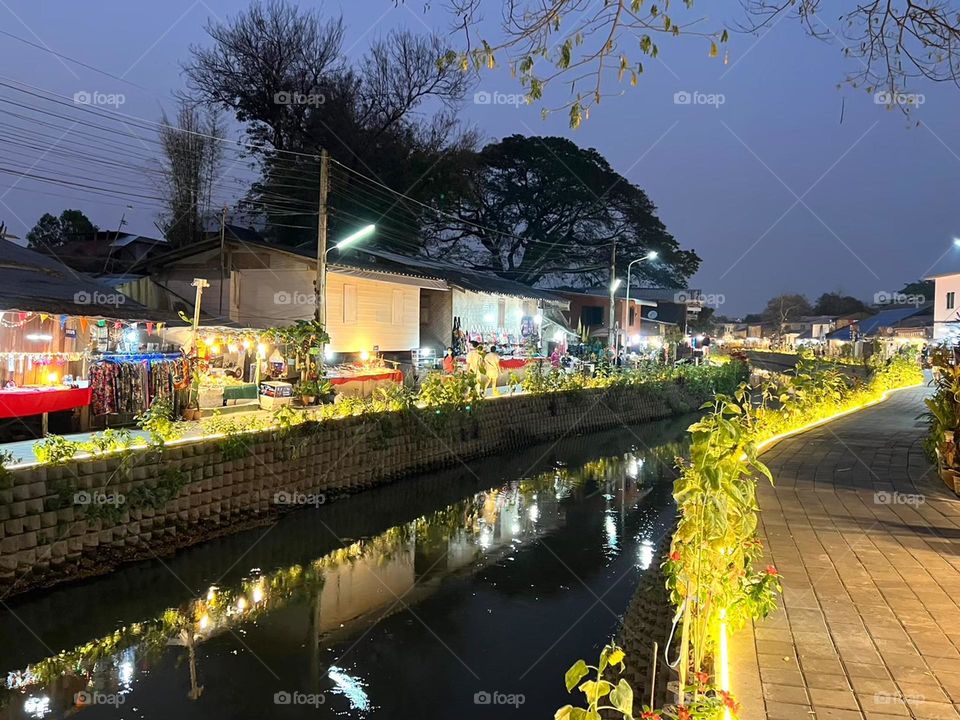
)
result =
(307, 399)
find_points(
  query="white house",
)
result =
(946, 307)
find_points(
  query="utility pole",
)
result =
(223, 271)
(611, 338)
(320, 304)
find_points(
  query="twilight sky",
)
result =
(769, 188)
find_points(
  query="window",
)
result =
(950, 300)
(396, 314)
(590, 316)
(349, 304)
(633, 315)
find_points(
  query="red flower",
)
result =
(650, 715)
(728, 700)
(675, 556)
(683, 713)
(703, 678)
(771, 570)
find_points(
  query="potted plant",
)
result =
(307, 391)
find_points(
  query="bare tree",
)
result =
(392, 115)
(891, 42)
(581, 43)
(261, 62)
(192, 156)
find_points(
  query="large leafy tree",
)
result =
(835, 303)
(53, 232)
(281, 71)
(542, 209)
(784, 309)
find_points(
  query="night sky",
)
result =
(769, 188)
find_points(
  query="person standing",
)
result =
(449, 363)
(491, 369)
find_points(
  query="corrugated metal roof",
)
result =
(870, 325)
(33, 282)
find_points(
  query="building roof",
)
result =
(875, 323)
(642, 296)
(34, 282)
(379, 261)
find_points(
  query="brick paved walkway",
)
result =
(868, 540)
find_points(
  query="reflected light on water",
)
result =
(645, 554)
(612, 543)
(350, 687)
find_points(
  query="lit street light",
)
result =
(353, 237)
(652, 255)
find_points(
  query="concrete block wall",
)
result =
(45, 538)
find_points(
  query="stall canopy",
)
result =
(34, 282)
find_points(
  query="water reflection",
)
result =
(344, 592)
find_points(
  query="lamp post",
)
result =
(652, 255)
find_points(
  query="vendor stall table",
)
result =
(363, 384)
(23, 402)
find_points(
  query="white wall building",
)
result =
(946, 307)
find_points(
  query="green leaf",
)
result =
(595, 690)
(622, 697)
(575, 674)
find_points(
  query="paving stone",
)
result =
(872, 589)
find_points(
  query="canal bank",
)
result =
(385, 604)
(84, 517)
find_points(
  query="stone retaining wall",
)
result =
(232, 483)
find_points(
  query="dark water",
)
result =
(422, 599)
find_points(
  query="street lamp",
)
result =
(353, 237)
(956, 242)
(652, 255)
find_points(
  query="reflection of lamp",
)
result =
(39, 337)
(52, 378)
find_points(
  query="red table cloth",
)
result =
(36, 401)
(394, 375)
(513, 363)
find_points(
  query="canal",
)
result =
(465, 593)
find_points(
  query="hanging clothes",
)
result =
(129, 386)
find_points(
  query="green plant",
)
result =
(449, 392)
(6, 477)
(305, 338)
(158, 421)
(605, 698)
(56, 449)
